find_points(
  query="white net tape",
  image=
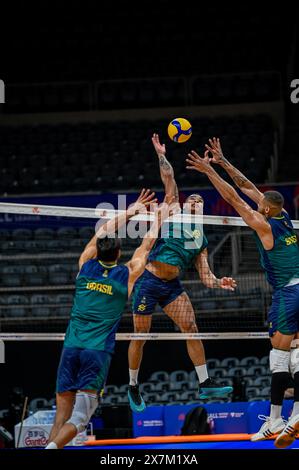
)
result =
(60, 211)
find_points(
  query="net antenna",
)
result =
(22, 420)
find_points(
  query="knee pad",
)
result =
(294, 361)
(279, 360)
(85, 406)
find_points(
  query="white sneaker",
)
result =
(289, 433)
(269, 428)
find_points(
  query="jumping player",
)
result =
(102, 290)
(279, 255)
(160, 284)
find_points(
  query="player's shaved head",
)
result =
(274, 198)
(195, 197)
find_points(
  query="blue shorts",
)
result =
(150, 290)
(284, 312)
(82, 369)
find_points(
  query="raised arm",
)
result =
(246, 186)
(139, 259)
(166, 170)
(208, 278)
(254, 219)
(145, 198)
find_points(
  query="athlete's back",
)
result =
(281, 263)
(100, 298)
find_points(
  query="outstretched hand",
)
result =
(146, 197)
(160, 148)
(215, 149)
(228, 283)
(195, 162)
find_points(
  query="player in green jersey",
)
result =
(102, 290)
(279, 254)
(182, 245)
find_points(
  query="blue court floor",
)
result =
(200, 445)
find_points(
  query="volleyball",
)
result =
(179, 130)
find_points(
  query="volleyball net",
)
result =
(40, 249)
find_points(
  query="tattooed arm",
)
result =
(208, 278)
(246, 186)
(166, 170)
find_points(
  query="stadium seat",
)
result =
(11, 280)
(123, 389)
(40, 299)
(179, 376)
(265, 392)
(16, 311)
(44, 234)
(21, 234)
(63, 311)
(249, 361)
(159, 376)
(110, 389)
(193, 376)
(231, 304)
(59, 278)
(257, 370)
(147, 387)
(153, 398)
(38, 404)
(262, 382)
(230, 362)
(37, 279)
(252, 392)
(237, 372)
(208, 305)
(89, 143)
(161, 387)
(4, 234)
(13, 269)
(66, 232)
(178, 386)
(212, 363)
(64, 299)
(188, 396)
(218, 372)
(31, 269)
(264, 361)
(86, 232)
(170, 397)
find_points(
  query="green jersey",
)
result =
(180, 245)
(281, 263)
(100, 299)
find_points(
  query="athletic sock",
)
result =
(275, 411)
(279, 384)
(52, 446)
(202, 373)
(133, 373)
